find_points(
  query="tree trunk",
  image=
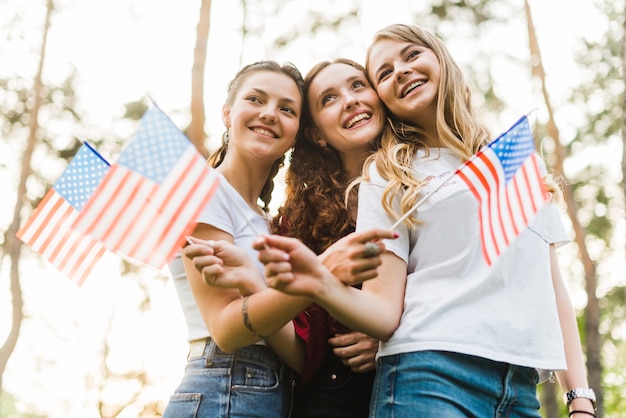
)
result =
(13, 245)
(624, 107)
(195, 131)
(592, 311)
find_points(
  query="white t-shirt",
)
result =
(454, 301)
(220, 213)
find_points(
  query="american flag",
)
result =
(506, 180)
(149, 200)
(49, 229)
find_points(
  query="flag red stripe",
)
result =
(490, 223)
(519, 199)
(138, 212)
(39, 211)
(191, 225)
(38, 234)
(491, 194)
(54, 230)
(178, 210)
(48, 231)
(50, 209)
(184, 220)
(72, 245)
(134, 200)
(81, 271)
(191, 185)
(526, 185)
(61, 233)
(484, 242)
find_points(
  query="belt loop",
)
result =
(196, 348)
(210, 351)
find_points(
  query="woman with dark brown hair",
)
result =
(342, 122)
(230, 371)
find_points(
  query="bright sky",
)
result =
(121, 51)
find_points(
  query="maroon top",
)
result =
(315, 326)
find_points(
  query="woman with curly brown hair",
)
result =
(342, 121)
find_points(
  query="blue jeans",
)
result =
(249, 382)
(451, 385)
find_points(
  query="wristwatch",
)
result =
(580, 393)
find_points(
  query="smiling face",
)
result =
(406, 76)
(345, 109)
(264, 116)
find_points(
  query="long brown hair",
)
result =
(314, 210)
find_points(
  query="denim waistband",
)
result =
(253, 352)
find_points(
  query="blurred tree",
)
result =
(12, 246)
(592, 312)
(36, 121)
(195, 131)
(601, 195)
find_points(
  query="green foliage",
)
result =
(474, 11)
(614, 329)
(599, 97)
(317, 22)
(596, 186)
(57, 110)
(135, 110)
(8, 408)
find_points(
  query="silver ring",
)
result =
(210, 243)
(371, 250)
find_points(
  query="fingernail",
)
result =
(396, 235)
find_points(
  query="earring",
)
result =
(225, 137)
(322, 143)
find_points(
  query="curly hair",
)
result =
(288, 69)
(458, 127)
(315, 208)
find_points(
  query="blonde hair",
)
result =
(457, 124)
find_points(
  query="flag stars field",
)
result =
(165, 142)
(80, 179)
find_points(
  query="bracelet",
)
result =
(246, 319)
(581, 412)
